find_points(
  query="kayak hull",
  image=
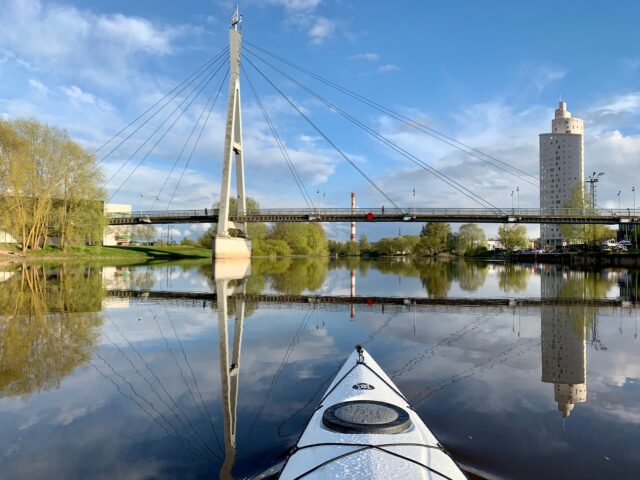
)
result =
(376, 434)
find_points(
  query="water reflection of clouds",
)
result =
(476, 377)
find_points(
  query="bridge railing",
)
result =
(380, 211)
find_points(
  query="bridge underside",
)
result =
(530, 216)
(309, 301)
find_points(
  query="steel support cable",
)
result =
(328, 140)
(149, 404)
(203, 66)
(404, 119)
(184, 378)
(200, 87)
(195, 126)
(445, 178)
(276, 376)
(205, 80)
(144, 410)
(188, 423)
(195, 145)
(417, 161)
(210, 66)
(157, 395)
(283, 151)
(195, 381)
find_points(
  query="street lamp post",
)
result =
(619, 192)
(511, 201)
(593, 179)
(635, 230)
(518, 190)
(414, 200)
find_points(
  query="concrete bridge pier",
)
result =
(226, 247)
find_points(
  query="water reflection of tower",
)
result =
(564, 355)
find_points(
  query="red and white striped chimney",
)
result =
(353, 224)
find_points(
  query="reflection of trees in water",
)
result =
(437, 278)
(142, 278)
(513, 278)
(287, 275)
(471, 275)
(291, 276)
(49, 321)
(585, 285)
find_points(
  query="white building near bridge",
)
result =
(561, 168)
(121, 234)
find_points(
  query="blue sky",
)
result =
(487, 73)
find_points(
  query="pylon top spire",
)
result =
(236, 18)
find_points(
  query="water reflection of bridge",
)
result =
(343, 302)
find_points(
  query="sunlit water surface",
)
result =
(99, 382)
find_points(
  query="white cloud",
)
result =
(78, 96)
(545, 75)
(321, 29)
(627, 103)
(388, 67)
(38, 86)
(368, 56)
(297, 5)
(136, 33)
(69, 41)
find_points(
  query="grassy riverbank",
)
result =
(137, 253)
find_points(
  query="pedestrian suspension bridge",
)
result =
(127, 154)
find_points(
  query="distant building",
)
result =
(561, 167)
(494, 243)
(7, 237)
(564, 353)
(117, 235)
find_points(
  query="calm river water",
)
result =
(522, 371)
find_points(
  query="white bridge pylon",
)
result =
(224, 245)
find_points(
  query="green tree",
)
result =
(386, 247)
(302, 238)
(49, 185)
(587, 233)
(433, 239)
(256, 231)
(352, 249)
(270, 248)
(365, 245)
(513, 237)
(470, 238)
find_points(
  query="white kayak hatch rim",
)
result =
(366, 416)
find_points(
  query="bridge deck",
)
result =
(347, 215)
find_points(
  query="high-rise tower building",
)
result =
(561, 167)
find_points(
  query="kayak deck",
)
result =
(365, 428)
